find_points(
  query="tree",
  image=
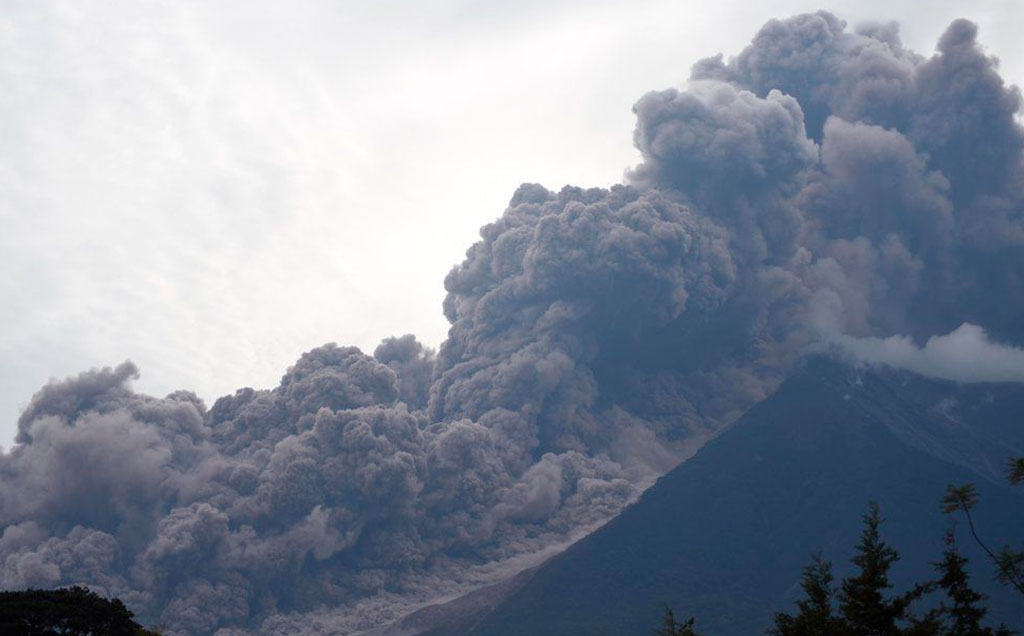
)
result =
(864, 606)
(815, 615)
(964, 610)
(863, 603)
(1015, 471)
(866, 610)
(672, 628)
(1009, 562)
(73, 611)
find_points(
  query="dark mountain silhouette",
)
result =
(724, 536)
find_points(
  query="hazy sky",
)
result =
(212, 188)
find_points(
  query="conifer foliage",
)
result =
(816, 614)
(963, 608)
(671, 627)
(863, 604)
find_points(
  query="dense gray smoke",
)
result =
(823, 186)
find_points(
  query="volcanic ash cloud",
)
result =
(824, 185)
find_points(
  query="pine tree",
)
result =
(863, 602)
(670, 627)
(815, 615)
(964, 610)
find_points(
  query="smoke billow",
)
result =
(824, 185)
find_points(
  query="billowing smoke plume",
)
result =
(822, 186)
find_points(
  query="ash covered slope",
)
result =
(826, 184)
(724, 536)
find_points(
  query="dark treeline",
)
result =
(73, 611)
(863, 604)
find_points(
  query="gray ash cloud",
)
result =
(824, 185)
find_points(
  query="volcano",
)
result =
(724, 536)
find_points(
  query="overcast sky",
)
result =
(212, 188)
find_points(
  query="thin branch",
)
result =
(1007, 571)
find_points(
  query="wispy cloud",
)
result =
(966, 354)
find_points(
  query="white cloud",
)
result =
(966, 354)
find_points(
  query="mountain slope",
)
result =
(723, 537)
